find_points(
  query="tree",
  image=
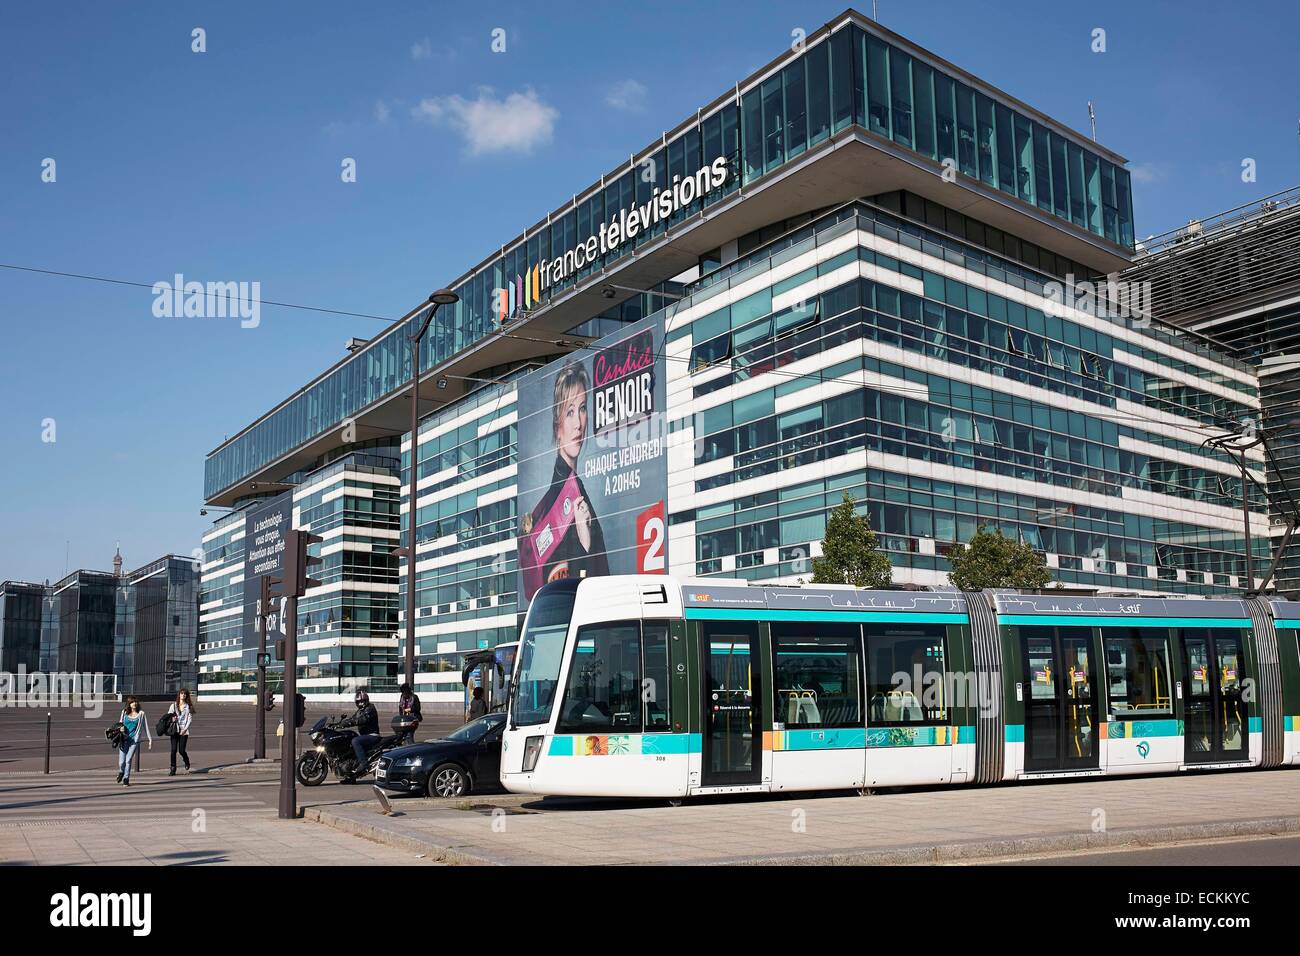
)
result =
(849, 554)
(992, 560)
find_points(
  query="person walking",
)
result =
(183, 708)
(135, 723)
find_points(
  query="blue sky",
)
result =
(225, 165)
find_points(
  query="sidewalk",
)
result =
(925, 826)
(81, 818)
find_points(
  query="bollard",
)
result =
(137, 758)
(47, 741)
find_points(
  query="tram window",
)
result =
(604, 687)
(654, 688)
(1137, 673)
(818, 671)
(906, 680)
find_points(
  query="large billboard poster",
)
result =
(593, 462)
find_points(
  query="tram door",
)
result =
(1060, 699)
(1214, 712)
(732, 740)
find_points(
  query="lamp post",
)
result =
(441, 297)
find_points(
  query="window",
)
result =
(878, 86)
(773, 124)
(542, 650)
(906, 674)
(752, 132)
(710, 353)
(655, 688)
(923, 90)
(796, 109)
(984, 138)
(1137, 673)
(901, 96)
(1024, 158)
(841, 45)
(818, 668)
(603, 692)
(796, 317)
(945, 118)
(966, 130)
(819, 93)
(1042, 169)
(1006, 150)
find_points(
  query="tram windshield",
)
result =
(541, 651)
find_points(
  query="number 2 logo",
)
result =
(651, 540)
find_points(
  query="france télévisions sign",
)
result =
(529, 287)
(593, 462)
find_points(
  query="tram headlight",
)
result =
(532, 750)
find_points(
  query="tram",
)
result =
(646, 686)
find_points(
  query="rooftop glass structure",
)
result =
(850, 75)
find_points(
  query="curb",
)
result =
(919, 855)
(1021, 847)
(242, 768)
(389, 836)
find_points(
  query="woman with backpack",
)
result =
(134, 723)
(182, 712)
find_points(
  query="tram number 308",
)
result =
(651, 540)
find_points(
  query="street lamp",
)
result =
(441, 297)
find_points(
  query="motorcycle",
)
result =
(333, 751)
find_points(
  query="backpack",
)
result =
(165, 725)
(115, 735)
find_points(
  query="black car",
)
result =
(468, 757)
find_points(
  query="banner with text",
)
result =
(264, 542)
(593, 462)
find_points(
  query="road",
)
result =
(1273, 851)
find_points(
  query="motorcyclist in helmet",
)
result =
(366, 720)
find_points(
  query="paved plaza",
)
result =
(903, 827)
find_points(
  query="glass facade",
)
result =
(156, 628)
(848, 78)
(465, 533)
(347, 628)
(141, 627)
(86, 603)
(969, 402)
(890, 347)
(941, 401)
(22, 608)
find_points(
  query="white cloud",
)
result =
(517, 123)
(628, 95)
(382, 111)
(422, 50)
(1148, 173)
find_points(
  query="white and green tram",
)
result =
(646, 686)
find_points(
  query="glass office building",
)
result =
(346, 626)
(156, 629)
(22, 612)
(1234, 278)
(862, 302)
(140, 626)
